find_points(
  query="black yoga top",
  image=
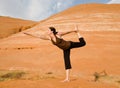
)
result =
(61, 43)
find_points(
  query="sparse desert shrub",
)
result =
(11, 75)
(98, 75)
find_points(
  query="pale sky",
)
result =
(40, 9)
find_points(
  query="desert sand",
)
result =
(43, 63)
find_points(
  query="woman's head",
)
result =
(53, 30)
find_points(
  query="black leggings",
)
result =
(67, 51)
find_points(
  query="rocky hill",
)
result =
(9, 26)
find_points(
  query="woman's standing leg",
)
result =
(67, 64)
(67, 58)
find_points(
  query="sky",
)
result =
(37, 10)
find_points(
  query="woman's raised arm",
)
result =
(69, 31)
(66, 32)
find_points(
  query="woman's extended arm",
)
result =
(38, 36)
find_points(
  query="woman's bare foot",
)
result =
(66, 80)
(67, 76)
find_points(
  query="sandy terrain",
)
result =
(43, 62)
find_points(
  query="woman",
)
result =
(56, 38)
(66, 46)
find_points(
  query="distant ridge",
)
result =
(9, 26)
(90, 8)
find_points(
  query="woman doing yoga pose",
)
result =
(57, 40)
